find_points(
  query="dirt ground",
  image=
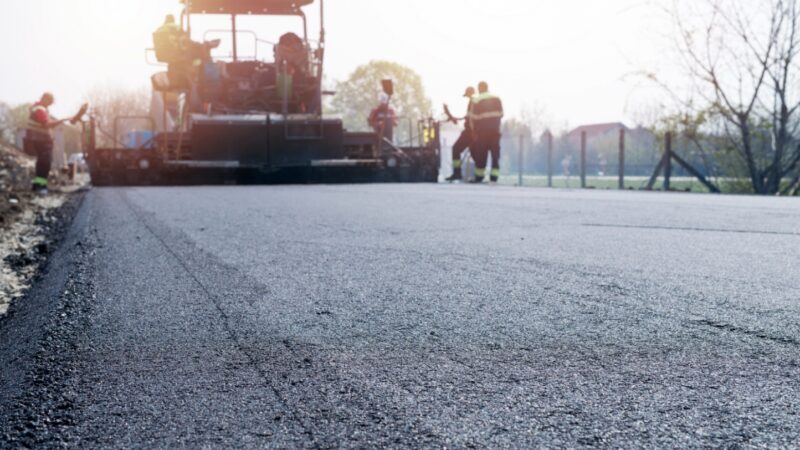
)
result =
(16, 172)
(28, 223)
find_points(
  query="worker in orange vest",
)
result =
(39, 139)
(383, 119)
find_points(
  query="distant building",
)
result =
(597, 130)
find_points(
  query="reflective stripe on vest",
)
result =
(488, 115)
(481, 97)
(170, 28)
(478, 99)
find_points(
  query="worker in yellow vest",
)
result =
(486, 119)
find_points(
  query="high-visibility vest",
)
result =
(167, 42)
(169, 28)
(36, 128)
(487, 113)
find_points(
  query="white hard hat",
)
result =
(383, 98)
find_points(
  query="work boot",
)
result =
(477, 180)
(456, 176)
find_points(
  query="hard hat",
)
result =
(469, 92)
(383, 98)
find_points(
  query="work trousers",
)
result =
(388, 130)
(42, 149)
(462, 144)
(486, 144)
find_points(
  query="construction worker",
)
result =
(39, 140)
(383, 119)
(170, 42)
(170, 26)
(183, 56)
(465, 140)
(167, 40)
(486, 119)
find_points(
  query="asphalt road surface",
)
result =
(423, 316)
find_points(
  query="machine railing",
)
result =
(117, 120)
(238, 57)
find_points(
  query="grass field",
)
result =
(610, 182)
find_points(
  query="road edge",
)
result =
(35, 324)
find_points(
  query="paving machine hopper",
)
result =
(254, 118)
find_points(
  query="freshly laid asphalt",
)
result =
(421, 316)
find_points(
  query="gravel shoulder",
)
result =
(41, 254)
(30, 224)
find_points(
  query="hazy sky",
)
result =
(574, 58)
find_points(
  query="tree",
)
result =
(743, 58)
(513, 129)
(108, 103)
(6, 127)
(12, 119)
(358, 95)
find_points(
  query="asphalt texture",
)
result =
(416, 316)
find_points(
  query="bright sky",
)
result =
(573, 58)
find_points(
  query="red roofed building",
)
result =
(597, 130)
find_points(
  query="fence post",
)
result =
(583, 159)
(549, 159)
(622, 158)
(667, 160)
(521, 158)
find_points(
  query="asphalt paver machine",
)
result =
(256, 118)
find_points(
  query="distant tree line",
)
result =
(743, 117)
(358, 95)
(107, 102)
